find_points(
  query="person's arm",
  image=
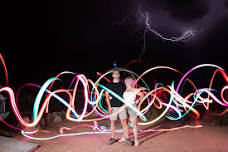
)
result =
(107, 96)
(140, 94)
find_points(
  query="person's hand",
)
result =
(137, 101)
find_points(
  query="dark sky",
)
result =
(41, 39)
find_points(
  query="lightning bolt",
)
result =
(185, 35)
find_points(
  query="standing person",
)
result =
(129, 96)
(116, 107)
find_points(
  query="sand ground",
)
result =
(209, 138)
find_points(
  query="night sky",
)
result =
(41, 39)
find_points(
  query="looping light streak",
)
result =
(93, 93)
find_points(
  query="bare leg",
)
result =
(135, 129)
(112, 139)
(112, 128)
(125, 128)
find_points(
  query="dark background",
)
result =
(41, 39)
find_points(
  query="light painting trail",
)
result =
(93, 95)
